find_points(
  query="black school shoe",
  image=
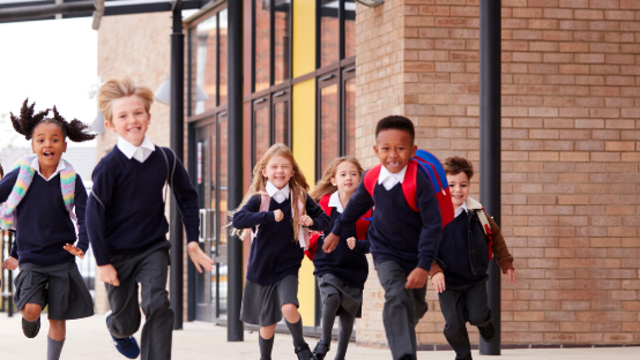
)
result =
(304, 353)
(321, 350)
(487, 332)
(30, 328)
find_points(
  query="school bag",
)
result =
(486, 228)
(429, 165)
(303, 232)
(362, 225)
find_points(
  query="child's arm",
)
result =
(358, 205)
(505, 259)
(320, 219)
(250, 215)
(80, 202)
(6, 186)
(95, 219)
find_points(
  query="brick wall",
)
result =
(570, 182)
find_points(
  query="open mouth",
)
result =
(133, 130)
(48, 154)
(393, 163)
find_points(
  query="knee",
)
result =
(332, 301)
(480, 320)
(31, 312)
(454, 327)
(157, 305)
(290, 311)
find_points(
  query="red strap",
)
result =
(371, 178)
(409, 185)
(313, 238)
(362, 226)
(487, 230)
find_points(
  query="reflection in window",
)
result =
(223, 56)
(329, 32)
(349, 28)
(205, 62)
(329, 133)
(261, 141)
(262, 48)
(350, 116)
(281, 119)
(282, 31)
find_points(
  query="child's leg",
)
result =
(158, 327)
(265, 340)
(478, 311)
(329, 310)
(452, 304)
(55, 341)
(294, 323)
(346, 328)
(31, 312)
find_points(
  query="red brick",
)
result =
(604, 26)
(559, 57)
(543, 24)
(589, 58)
(574, 47)
(527, 13)
(574, 69)
(618, 15)
(577, 25)
(578, 4)
(619, 146)
(554, 35)
(588, 14)
(590, 36)
(543, 3)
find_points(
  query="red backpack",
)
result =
(429, 165)
(362, 226)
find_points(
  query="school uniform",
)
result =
(401, 240)
(48, 273)
(275, 258)
(127, 229)
(465, 296)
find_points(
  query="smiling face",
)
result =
(394, 148)
(459, 186)
(279, 171)
(347, 177)
(130, 119)
(48, 144)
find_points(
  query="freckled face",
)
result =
(48, 144)
(459, 186)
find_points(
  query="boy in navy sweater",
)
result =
(404, 243)
(127, 227)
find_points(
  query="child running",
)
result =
(462, 287)
(127, 226)
(277, 210)
(404, 242)
(342, 273)
(38, 198)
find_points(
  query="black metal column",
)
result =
(235, 328)
(490, 137)
(177, 144)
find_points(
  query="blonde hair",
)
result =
(115, 89)
(324, 185)
(297, 184)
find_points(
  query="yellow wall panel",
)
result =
(304, 37)
(304, 147)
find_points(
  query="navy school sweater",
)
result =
(274, 254)
(350, 266)
(454, 250)
(132, 219)
(43, 222)
(398, 233)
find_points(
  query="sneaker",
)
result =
(321, 350)
(127, 346)
(30, 328)
(304, 353)
(487, 332)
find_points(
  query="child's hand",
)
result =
(74, 250)
(108, 275)
(351, 242)
(416, 279)
(330, 243)
(199, 258)
(512, 276)
(10, 264)
(306, 220)
(278, 215)
(438, 282)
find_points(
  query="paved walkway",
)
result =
(88, 339)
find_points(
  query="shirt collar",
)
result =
(36, 166)
(272, 189)
(384, 174)
(462, 208)
(128, 149)
(334, 201)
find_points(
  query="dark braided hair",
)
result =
(27, 122)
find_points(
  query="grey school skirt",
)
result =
(261, 304)
(59, 286)
(350, 297)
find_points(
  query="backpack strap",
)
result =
(265, 199)
(170, 171)
(324, 204)
(371, 178)
(486, 227)
(410, 184)
(362, 225)
(314, 236)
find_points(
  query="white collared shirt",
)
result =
(279, 195)
(140, 153)
(334, 201)
(463, 207)
(389, 180)
(36, 166)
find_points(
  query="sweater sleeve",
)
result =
(97, 203)
(7, 183)
(362, 247)
(80, 200)
(250, 216)
(431, 223)
(505, 260)
(320, 219)
(187, 199)
(358, 205)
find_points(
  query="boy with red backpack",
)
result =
(404, 242)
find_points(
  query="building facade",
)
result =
(318, 74)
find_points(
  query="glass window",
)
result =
(261, 133)
(350, 116)
(222, 215)
(282, 31)
(281, 122)
(349, 28)
(329, 132)
(262, 49)
(329, 32)
(206, 62)
(223, 56)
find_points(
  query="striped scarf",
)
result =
(24, 180)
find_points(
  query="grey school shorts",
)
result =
(261, 304)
